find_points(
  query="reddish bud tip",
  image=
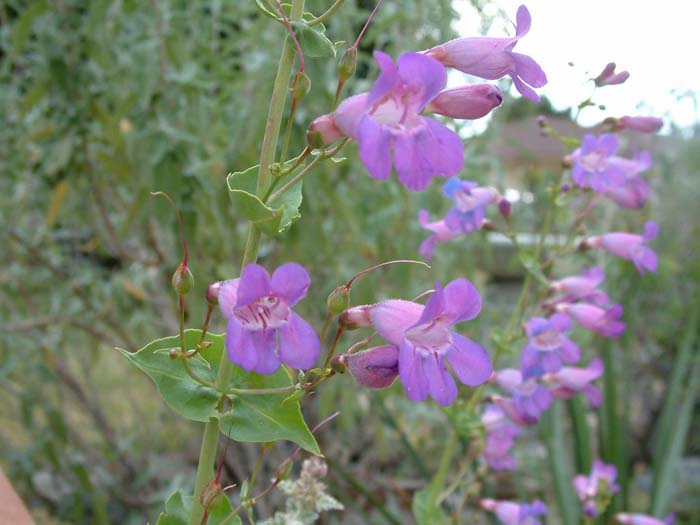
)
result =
(355, 317)
(376, 367)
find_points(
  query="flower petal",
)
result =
(253, 284)
(228, 297)
(393, 317)
(387, 80)
(440, 383)
(374, 147)
(299, 344)
(462, 301)
(290, 282)
(424, 75)
(413, 377)
(469, 361)
(529, 71)
(376, 367)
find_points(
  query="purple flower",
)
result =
(388, 118)
(582, 287)
(529, 398)
(467, 215)
(634, 191)
(608, 77)
(426, 344)
(595, 318)
(548, 347)
(630, 246)
(596, 488)
(642, 519)
(493, 58)
(568, 381)
(591, 163)
(511, 513)
(466, 102)
(262, 328)
(441, 233)
(641, 124)
(500, 437)
(375, 367)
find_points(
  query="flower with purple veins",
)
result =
(594, 491)
(548, 348)
(467, 215)
(500, 438)
(592, 167)
(388, 119)
(493, 58)
(262, 330)
(441, 233)
(511, 513)
(426, 344)
(630, 246)
(529, 398)
(643, 519)
(596, 318)
(582, 287)
(569, 381)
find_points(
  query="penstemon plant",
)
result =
(249, 383)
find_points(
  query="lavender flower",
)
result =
(425, 342)
(548, 347)
(467, 215)
(500, 437)
(529, 398)
(595, 318)
(643, 519)
(375, 367)
(641, 124)
(634, 191)
(466, 102)
(263, 331)
(493, 58)
(608, 77)
(388, 119)
(582, 287)
(511, 513)
(569, 381)
(594, 491)
(630, 246)
(591, 163)
(441, 233)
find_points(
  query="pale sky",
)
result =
(657, 42)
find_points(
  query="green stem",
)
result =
(441, 475)
(325, 16)
(207, 454)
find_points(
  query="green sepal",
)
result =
(177, 511)
(273, 217)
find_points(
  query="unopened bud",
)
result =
(564, 188)
(213, 292)
(182, 280)
(376, 367)
(338, 300)
(488, 225)
(174, 353)
(466, 102)
(302, 86)
(355, 317)
(212, 491)
(346, 68)
(608, 77)
(504, 207)
(542, 121)
(338, 364)
(322, 132)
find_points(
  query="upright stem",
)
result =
(207, 454)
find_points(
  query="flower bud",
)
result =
(212, 491)
(355, 317)
(338, 300)
(466, 102)
(182, 280)
(504, 207)
(302, 86)
(346, 68)
(322, 132)
(608, 77)
(213, 292)
(376, 367)
(641, 124)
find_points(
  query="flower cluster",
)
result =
(595, 490)
(387, 121)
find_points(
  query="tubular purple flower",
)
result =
(596, 488)
(630, 246)
(500, 438)
(529, 398)
(643, 519)
(591, 163)
(466, 102)
(441, 233)
(375, 367)
(608, 77)
(511, 513)
(568, 381)
(388, 119)
(635, 190)
(582, 287)
(493, 58)
(263, 331)
(426, 344)
(467, 215)
(596, 319)
(641, 124)
(548, 348)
